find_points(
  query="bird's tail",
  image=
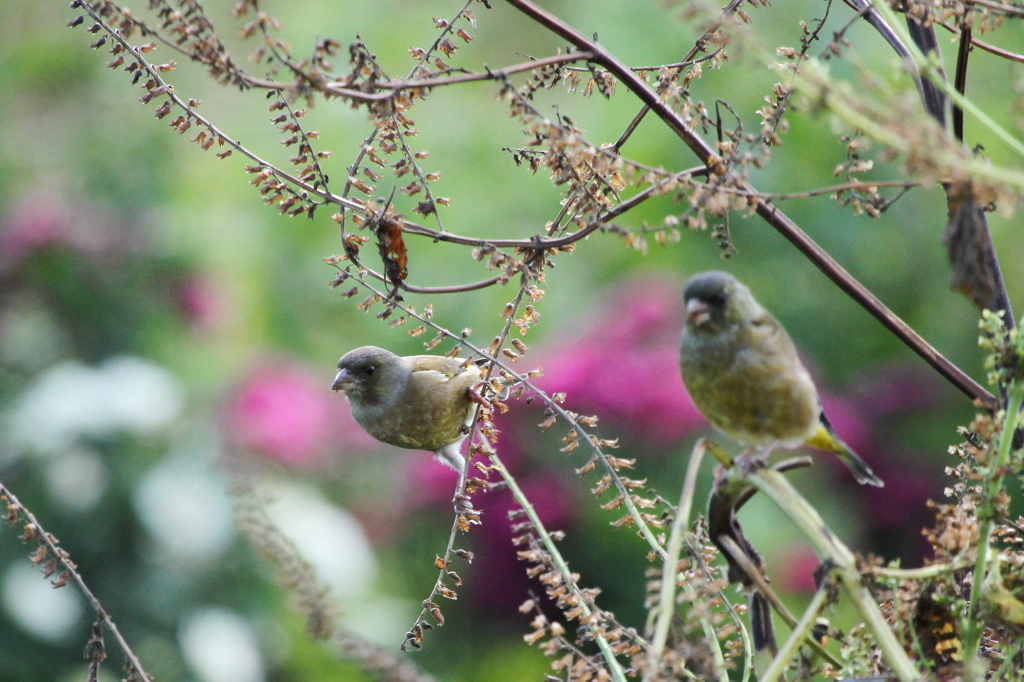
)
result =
(861, 471)
(762, 631)
(451, 455)
(826, 439)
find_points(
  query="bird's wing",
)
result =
(824, 438)
(765, 328)
(447, 367)
(768, 338)
(449, 372)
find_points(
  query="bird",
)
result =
(419, 402)
(743, 373)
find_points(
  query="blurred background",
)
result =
(156, 317)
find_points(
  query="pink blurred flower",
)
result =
(427, 481)
(31, 223)
(626, 367)
(795, 573)
(891, 389)
(42, 219)
(284, 412)
(202, 301)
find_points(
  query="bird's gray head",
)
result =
(367, 373)
(714, 301)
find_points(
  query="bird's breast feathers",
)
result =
(742, 390)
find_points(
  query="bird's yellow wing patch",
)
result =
(823, 439)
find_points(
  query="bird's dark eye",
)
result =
(370, 369)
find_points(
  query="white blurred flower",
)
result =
(77, 480)
(382, 619)
(70, 400)
(221, 646)
(40, 609)
(329, 537)
(183, 504)
(333, 541)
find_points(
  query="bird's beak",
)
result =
(697, 312)
(344, 381)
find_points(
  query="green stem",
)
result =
(993, 485)
(828, 547)
(801, 631)
(667, 600)
(559, 562)
(922, 573)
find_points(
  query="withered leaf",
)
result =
(971, 257)
(392, 251)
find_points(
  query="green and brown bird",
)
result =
(419, 402)
(743, 373)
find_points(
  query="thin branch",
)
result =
(697, 47)
(428, 605)
(992, 487)
(1009, 10)
(689, 61)
(460, 491)
(743, 561)
(960, 79)
(923, 35)
(453, 289)
(861, 185)
(667, 598)
(56, 553)
(489, 75)
(982, 45)
(535, 244)
(922, 573)
(934, 71)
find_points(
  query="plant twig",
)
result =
(667, 598)
(489, 75)
(922, 573)
(992, 487)
(698, 46)
(55, 553)
(932, 69)
(987, 47)
(801, 632)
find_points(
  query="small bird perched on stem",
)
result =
(419, 402)
(743, 373)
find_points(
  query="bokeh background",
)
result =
(155, 317)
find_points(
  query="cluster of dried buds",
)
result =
(575, 603)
